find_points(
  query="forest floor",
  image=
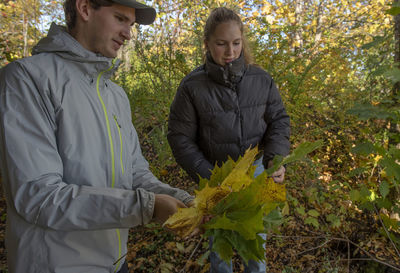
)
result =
(296, 247)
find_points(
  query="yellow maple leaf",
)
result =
(184, 221)
(240, 177)
(271, 192)
(208, 197)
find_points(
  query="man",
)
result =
(73, 173)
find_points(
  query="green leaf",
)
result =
(312, 221)
(394, 152)
(355, 195)
(367, 205)
(221, 244)
(218, 174)
(166, 267)
(224, 240)
(246, 223)
(384, 203)
(392, 168)
(393, 74)
(368, 111)
(272, 220)
(299, 153)
(384, 188)
(313, 213)
(376, 41)
(248, 249)
(389, 222)
(364, 149)
(391, 235)
(202, 260)
(334, 220)
(393, 11)
(300, 210)
(236, 201)
(302, 150)
(285, 208)
(180, 247)
(357, 171)
(366, 195)
(379, 71)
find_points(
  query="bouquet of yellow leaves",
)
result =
(237, 203)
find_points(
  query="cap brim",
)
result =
(145, 15)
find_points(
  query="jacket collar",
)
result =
(228, 75)
(60, 42)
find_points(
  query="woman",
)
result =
(224, 107)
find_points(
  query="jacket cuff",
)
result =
(188, 199)
(148, 208)
(204, 169)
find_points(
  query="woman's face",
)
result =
(225, 44)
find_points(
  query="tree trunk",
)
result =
(394, 127)
(25, 34)
(318, 32)
(397, 46)
(298, 36)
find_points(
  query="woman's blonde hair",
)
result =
(223, 15)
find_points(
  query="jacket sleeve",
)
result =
(276, 138)
(182, 136)
(144, 178)
(32, 168)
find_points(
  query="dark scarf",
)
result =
(229, 75)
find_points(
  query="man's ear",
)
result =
(83, 9)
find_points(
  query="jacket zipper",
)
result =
(111, 150)
(120, 141)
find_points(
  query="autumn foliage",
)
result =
(334, 63)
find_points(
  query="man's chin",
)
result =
(110, 54)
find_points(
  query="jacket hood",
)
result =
(228, 75)
(60, 42)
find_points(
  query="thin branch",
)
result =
(314, 248)
(348, 257)
(367, 253)
(386, 231)
(191, 255)
(346, 241)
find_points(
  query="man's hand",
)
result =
(165, 206)
(278, 175)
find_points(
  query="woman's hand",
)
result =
(278, 175)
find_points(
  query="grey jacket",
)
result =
(73, 173)
(222, 111)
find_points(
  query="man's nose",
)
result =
(126, 33)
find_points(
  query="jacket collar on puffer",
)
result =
(228, 75)
(60, 42)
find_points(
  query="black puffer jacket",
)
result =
(221, 111)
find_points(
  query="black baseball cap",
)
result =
(145, 15)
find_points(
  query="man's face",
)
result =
(108, 28)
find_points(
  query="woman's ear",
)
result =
(83, 9)
(206, 45)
